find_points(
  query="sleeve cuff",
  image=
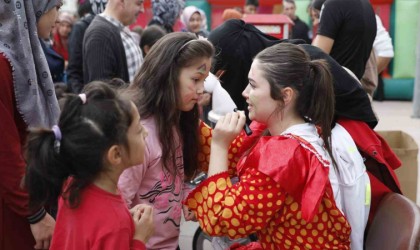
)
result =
(214, 178)
(37, 217)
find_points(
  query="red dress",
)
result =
(284, 196)
(15, 232)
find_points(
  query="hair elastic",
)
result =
(83, 97)
(58, 136)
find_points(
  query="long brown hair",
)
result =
(157, 85)
(288, 65)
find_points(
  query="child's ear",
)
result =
(114, 155)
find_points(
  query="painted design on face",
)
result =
(202, 69)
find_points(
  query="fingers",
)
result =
(42, 244)
(136, 214)
(46, 244)
(39, 244)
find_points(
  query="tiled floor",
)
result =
(393, 115)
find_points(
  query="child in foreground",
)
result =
(79, 161)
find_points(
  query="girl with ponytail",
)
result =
(79, 162)
(284, 194)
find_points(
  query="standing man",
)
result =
(109, 50)
(300, 29)
(346, 31)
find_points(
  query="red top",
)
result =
(101, 221)
(59, 47)
(12, 137)
(284, 195)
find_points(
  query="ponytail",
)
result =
(321, 103)
(288, 65)
(88, 126)
(45, 173)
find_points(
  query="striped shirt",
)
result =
(132, 49)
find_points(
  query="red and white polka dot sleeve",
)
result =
(205, 144)
(236, 210)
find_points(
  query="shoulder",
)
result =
(102, 26)
(275, 151)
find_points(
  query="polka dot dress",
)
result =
(258, 204)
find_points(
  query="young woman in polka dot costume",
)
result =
(284, 194)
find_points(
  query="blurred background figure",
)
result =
(136, 33)
(75, 66)
(149, 37)
(300, 30)
(251, 6)
(231, 14)
(62, 34)
(347, 29)
(193, 20)
(166, 13)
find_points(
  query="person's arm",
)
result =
(12, 164)
(324, 43)
(75, 64)
(383, 46)
(382, 63)
(234, 208)
(204, 152)
(118, 240)
(329, 27)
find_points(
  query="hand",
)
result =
(227, 128)
(204, 99)
(188, 214)
(143, 222)
(135, 208)
(43, 231)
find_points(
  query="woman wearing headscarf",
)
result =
(165, 13)
(62, 33)
(27, 99)
(75, 45)
(193, 20)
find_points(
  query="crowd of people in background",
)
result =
(103, 126)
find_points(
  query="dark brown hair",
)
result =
(288, 65)
(157, 85)
(88, 131)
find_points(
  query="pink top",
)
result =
(151, 184)
(100, 222)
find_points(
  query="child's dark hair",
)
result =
(150, 36)
(288, 65)
(87, 131)
(157, 84)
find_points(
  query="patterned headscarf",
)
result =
(166, 12)
(19, 43)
